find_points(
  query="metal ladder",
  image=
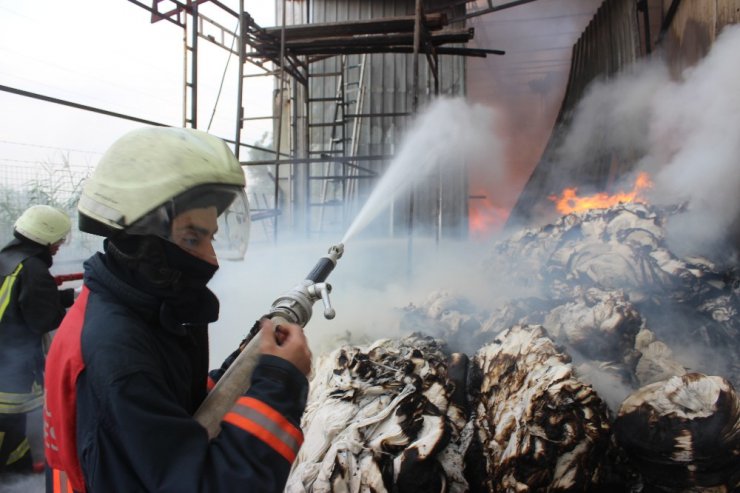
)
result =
(335, 185)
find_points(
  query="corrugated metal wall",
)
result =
(387, 89)
(694, 28)
(682, 31)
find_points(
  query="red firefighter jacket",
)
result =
(123, 382)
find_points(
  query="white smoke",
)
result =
(696, 127)
(614, 115)
(23, 484)
(372, 283)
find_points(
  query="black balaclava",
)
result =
(163, 269)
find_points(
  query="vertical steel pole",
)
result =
(186, 85)
(414, 108)
(279, 121)
(240, 83)
(194, 69)
(417, 46)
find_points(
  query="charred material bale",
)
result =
(683, 434)
(656, 362)
(622, 247)
(385, 417)
(599, 325)
(445, 315)
(540, 428)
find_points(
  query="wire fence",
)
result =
(58, 184)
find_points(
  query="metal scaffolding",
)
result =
(322, 177)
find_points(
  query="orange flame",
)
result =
(571, 202)
(485, 219)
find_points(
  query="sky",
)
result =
(107, 54)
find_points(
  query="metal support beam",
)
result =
(279, 132)
(191, 80)
(240, 83)
(495, 8)
(417, 46)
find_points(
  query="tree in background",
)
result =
(56, 184)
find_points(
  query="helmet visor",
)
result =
(209, 222)
(64, 240)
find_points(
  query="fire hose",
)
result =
(295, 306)
(62, 278)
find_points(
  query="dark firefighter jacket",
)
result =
(123, 382)
(30, 306)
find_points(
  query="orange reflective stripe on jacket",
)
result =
(60, 483)
(268, 425)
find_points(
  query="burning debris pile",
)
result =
(617, 372)
(615, 289)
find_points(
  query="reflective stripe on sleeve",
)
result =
(20, 451)
(6, 288)
(268, 425)
(12, 403)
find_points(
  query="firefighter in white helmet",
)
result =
(30, 307)
(128, 367)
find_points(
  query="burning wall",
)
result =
(651, 116)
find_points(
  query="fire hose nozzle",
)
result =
(326, 264)
(295, 306)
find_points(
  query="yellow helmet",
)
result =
(43, 224)
(151, 174)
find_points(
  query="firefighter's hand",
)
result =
(286, 341)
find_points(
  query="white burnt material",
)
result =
(541, 429)
(656, 361)
(599, 325)
(386, 417)
(683, 434)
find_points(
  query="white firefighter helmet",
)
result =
(150, 175)
(44, 225)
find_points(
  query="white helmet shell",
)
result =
(43, 224)
(148, 167)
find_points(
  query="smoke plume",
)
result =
(696, 131)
